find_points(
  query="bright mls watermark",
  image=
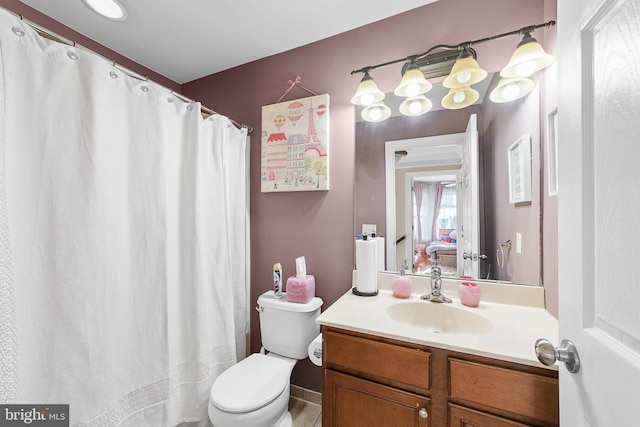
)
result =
(34, 415)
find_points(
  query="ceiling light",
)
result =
(511, 88)
(368, 92)
(413, 83)
(376, 112)
(460, 97)
(528, 58)
(111, 9)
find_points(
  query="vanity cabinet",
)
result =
(374, 381)
(367, 382)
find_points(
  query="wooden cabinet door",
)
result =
(464, 417)
(354, 402)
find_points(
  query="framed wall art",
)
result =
(295, 145)
(520, 170)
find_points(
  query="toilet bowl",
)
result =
(255, 391)
(252, 393)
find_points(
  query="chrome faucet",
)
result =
(436, 287)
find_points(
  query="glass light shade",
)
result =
(511, 88)
(528, 58)
(465, 72)
(368, 92)
(111, 9)
(413, 83)
(460, 97)
(376, 112)
(415, 106)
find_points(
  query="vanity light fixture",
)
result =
(415, 106)
(376, 112)
(111, 9)
(465, 71)
(413, 82)
(460, 97)
(528, 58)
(368, 92)
(511, 88)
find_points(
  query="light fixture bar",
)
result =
(458, 47)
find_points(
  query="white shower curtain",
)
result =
(123, 239)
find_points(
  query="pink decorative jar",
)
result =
(469, 293)
(402, 286)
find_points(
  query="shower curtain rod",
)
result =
(205, 111)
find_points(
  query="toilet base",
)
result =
(285, 420)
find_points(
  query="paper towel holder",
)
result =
(364, 294)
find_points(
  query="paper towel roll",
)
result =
(315, 350)
(366, 266)
(381, 250)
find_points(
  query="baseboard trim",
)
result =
(307, 395)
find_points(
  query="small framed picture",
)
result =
(552, 152)
(520, 170)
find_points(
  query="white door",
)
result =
(599, 209)
(468, 214)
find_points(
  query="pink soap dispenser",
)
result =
(402, 285)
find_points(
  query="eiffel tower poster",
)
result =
(295, 145)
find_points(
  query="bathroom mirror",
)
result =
(499, 222)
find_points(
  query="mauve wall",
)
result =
(321, 225)
(503, 124)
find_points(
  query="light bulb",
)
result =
(415, 107)
(367, 99)
(510, 91)
(525, 69)
(375, 113)
(412, 90)
(464, 76)
(459, 97)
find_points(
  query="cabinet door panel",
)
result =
(465, 417)
(395, 365)
(354, 402)
(521, 393)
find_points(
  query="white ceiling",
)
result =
(188, 39)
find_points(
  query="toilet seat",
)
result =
(250, 384)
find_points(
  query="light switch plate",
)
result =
(519, 243)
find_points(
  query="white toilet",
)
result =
(255, 391)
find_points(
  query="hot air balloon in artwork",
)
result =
(295, 111)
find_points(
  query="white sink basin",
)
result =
(439, 318)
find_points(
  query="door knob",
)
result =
(548, 354)
(473, 257)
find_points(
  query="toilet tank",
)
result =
(287, 328)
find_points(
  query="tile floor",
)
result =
(304, 413)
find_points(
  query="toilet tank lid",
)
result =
(250, 384)
(268, 300)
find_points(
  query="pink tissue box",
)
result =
(301, 289)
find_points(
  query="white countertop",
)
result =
(516, 313)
